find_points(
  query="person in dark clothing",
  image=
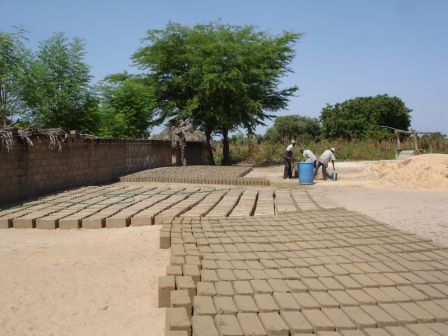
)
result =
(288, 162)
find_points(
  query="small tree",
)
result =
(126, 107)
(57, 88)
(14, 59)
(359, 117)
(218, 77)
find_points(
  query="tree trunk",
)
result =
(225, 147)
(210, 158)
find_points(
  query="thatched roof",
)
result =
(191, 135)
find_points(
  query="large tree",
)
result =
(14, 60)
(360, 117)
(58, 90)
(126, 107)
(217, 76)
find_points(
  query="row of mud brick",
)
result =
(324, 273)
(121, 205)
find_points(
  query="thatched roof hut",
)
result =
(191, 135)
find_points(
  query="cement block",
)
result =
(165, 286)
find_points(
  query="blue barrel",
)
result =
(306, 172)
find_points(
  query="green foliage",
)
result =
(57, 88)
(126, 107)
(13, 59)
(216, 76)
(295, 127)
(358, 118)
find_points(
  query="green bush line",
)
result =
(268, 152)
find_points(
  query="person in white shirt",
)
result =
(325, 158)
(309, 156)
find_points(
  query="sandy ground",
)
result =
(423, 212)
(81, 282)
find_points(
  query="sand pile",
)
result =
(428, 171)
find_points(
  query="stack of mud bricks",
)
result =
(198, 175)
(284, 275)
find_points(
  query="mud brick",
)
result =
(176, 333)
(209, 264)
(397, 313)
(242, 274)
(245, 304)
(305, 272)
(23, 223)
(339, 318)
(318, 320)
(413, 293)
(361, 296)
(254, 264)
(331, 283)
(274, 274)
(352, 333)
(193, 271)
(289, 273)
(441, 288)
(224, 305)
(174, 270)
(203, 305)
(177, 319)
(164, 240)
(378, 295)
(274, 324)
(225, 274)
(176, 260)
(359, 317)
(268, 263)
(261, 286)
(278, 285)
(286, 301)
(224, 288)
(364, 280)
(208, 275)
(193, 260)
(376, 332)
(313, 284)
(206, 288)
(328, 333)
(187, 283)
(228, 325)
(306, 301)
(412, 278)
(203, 326)
(265, 303)
(165, 286)
(421, 315)
(399, 331)
(250, 324)
(242, 287)
(343, 298)
(381, 317)
(435, 310)
(430, 291)
(295, 286)
(348, 282)
(441, 328)
(258, 274)
(395, 294)
(296, 322)
(422, 329)
(336, 269)
(324, 299)
(181, 299)
(226, 264)
(397, 279)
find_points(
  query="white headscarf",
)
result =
(289, 148)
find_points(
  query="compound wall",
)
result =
(31, 171)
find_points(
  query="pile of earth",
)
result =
(426, 171)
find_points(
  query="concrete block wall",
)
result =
(31, 171)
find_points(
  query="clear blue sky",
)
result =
(351, 48)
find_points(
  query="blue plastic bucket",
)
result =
(306, 172)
